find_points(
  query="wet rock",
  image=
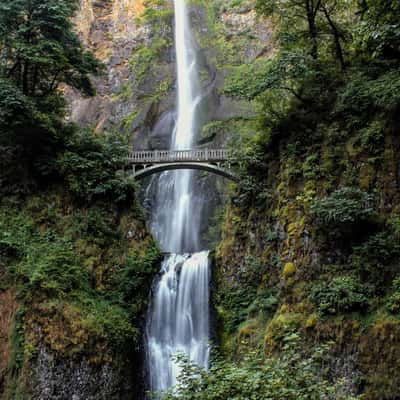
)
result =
(72, 378)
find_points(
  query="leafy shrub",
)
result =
(53, 267)
(93, 167)
(372, 137)
(236, 302)
(393, 303)
(265, 303)
(342, 294)
(382, 248)
(95, 223)
(46, 262)
(293, 376)
(347, 205)
(364, 96)
(134, 277)
(106, 320)
(13, 102)
(47, 254)
(376, 259)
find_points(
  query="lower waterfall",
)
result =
(179, 319)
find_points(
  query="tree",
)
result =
(39, 49)
(329, 10)
(309, 19)
(39, 52)
(299, 13)
(379, 30)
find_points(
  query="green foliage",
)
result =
(393, 302)
(293, 376)
(52, 267)
(250, 192)
(13, 102)
(40, 49)
(155, 11)
(135, 276)
(342, 294)
(93, 167)
(236, 302)
(378, 33)
(327, 104)
(310, 25)
(103, 319)
(144, 58)
(344, 206)
(39, 52)
(17, 355)
(364, 96)
(250, 80)
(376, 259)
(48, 254)
(264, 305)
(239, 302)
(46, 263)
(383, 247)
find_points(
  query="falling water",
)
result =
(178, 319)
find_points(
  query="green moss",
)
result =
(282, 325)
(156, 12)
(145, 57)
(289, 270)
(342, 294)
(128, 120)
(380, 352)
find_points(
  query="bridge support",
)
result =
(158, 168)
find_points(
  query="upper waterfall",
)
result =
(187, 73)
(175, 219)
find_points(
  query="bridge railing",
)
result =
(160, 156)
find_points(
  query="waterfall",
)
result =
(178, 318)
(178, 321)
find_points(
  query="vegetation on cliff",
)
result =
(74, 250)
(310, 237)
(293, 375)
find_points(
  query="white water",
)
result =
(178, 319)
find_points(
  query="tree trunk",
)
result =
(313, 34)
(25, 78)
(312, 28)
(336, 36)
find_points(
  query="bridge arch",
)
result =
(158, 168)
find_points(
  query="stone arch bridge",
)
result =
(217, 161)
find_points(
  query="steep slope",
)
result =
(75, 284)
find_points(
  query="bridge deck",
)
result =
(170, 156)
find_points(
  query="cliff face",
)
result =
(298, 263)
(281, 274)
(134, 39)
(112, 31)
(75, 284)
(8, 309)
